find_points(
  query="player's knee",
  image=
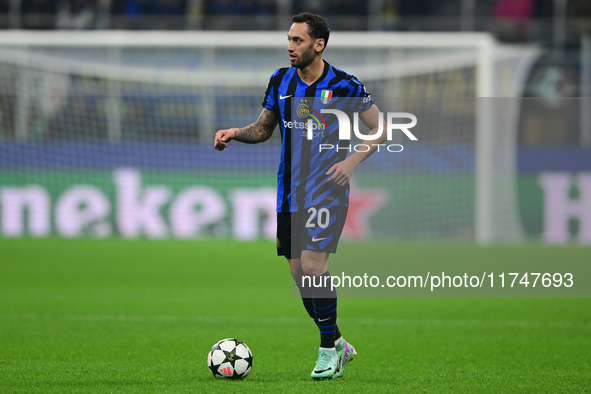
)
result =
(312, 267)
(314, 263)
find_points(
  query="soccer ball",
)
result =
(230, 359)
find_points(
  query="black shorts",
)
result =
(314, 228)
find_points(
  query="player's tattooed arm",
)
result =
(259, 131)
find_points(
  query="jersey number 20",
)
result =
(321, 215)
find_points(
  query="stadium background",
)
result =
(120, 225)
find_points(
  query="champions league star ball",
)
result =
(230, 359)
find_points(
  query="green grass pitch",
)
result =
(140, 316)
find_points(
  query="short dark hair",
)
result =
(317, 25)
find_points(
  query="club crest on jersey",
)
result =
(325, 96)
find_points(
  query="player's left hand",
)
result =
(341, 172)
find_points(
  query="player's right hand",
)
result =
(222, 137)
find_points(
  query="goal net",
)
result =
(111, 134)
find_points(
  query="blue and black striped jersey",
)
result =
(302, 179)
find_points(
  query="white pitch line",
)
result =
(291, 320)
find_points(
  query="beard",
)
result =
(305, 59)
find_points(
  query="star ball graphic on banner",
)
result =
(363, 204)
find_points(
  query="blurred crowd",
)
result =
(511, 20)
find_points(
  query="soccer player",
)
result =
(313, 183)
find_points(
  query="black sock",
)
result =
(307, 300)
(309, 305)
(325, 309)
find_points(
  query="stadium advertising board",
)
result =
(169, 199)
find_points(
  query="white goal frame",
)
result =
(483, 43)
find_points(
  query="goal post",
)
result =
(158, 97)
